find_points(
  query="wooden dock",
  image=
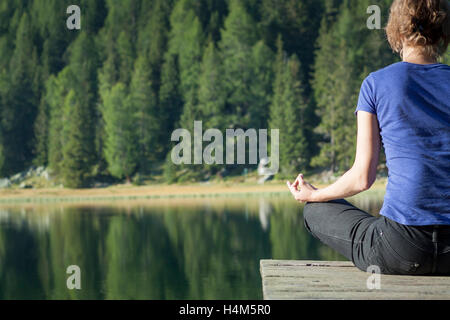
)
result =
(298, 280)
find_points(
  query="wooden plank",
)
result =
(287, 280)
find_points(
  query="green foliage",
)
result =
(56, 91)
(170, 170)
(155, 66)
(180, 250)
(346, 55)
(446, 58)
(120, 150)
(261, 92)
(79, 114)
(170, 98)
(75, 166)
(19, 100)
(188, 46)
(238, 37)
(289, 114)
(144, 104)
(211, 93)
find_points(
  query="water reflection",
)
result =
(165, 249)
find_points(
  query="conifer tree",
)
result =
(57, 88)
(294, 20)
(178, 61)
(261, 85)
(47, 17)
(345, 57)
(188, 46)
(238, 37)
(333, 70)
(153, 36)
(289, 113)
(117, 39)
(171, 106)
(84, 64)
(170, 97)
(75, 166)
(145, 114)
(72, 114)
(211, 92)
(120, 147)
(20, 101)
(151, 48)
(126, 57)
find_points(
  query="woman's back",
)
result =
(412, 104)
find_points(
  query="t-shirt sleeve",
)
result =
(366, 100)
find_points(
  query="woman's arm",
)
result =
(359, 178)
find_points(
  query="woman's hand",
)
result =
(301, 190)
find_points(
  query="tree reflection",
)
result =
(209, 249)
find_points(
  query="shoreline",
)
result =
(129, 192)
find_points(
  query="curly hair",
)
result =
(422, 24)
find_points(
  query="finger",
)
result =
(291, 188)
(293, 185)
(300, 180)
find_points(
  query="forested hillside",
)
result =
(103, 100)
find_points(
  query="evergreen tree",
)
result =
(170, 98)
(48, 17)
(294, 20)
(211, 93)
(145, 113)
(72, 115)
(41, 131)
(289, 114)
(19, 101)
(120, 147)
(238, 37)
(153, 36)
(126, 57)
(84, 65)
(186, 42)
(171, 106)
(75, 166)
(334, 106)
(170, 170)
(261, 85)
(345, 57)
(55, 95)
(95, 12)
(178, 61)
(3, 84)
(117, 41)
(152, 46)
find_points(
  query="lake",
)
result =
(202, 248)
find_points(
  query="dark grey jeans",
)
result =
(370, 241)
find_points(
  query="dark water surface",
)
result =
(158, 249)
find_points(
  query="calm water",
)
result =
(159, 249)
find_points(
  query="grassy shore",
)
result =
(130, 192)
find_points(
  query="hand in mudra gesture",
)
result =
(301, 190)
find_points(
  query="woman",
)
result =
(405, 106)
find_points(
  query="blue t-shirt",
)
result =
(412, 104)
